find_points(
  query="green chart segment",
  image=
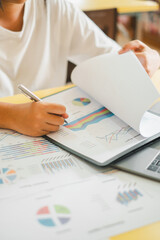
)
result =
(53, 216)
(81, 101)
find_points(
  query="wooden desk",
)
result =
(123, 6)
(20, 98)
(148, 232)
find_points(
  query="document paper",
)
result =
(113, 119)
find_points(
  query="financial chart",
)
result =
(92, 130)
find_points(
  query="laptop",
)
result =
(144, 162)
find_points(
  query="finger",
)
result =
(135, 46)
(43, 132)
(54, 119)
(123, 50)
(55, 108)
(50, 128)
(38, 133)
(65, 115)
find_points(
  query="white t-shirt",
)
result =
(51, 34)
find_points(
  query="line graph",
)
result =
(92, 118)
(116, 135)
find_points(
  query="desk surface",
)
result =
(20, 98)
(123, 6)
(147, 232)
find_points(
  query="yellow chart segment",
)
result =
(148, 232)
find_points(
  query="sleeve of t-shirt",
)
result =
(86, 39)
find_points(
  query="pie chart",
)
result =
(53, 216)
(7, 175)
(81, 101)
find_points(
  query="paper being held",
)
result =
(120, 83)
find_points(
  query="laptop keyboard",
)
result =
(155, 164)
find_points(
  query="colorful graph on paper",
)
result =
(53, 166)
(92, 118)
(7, 175)
(81, 102)
(126, 197)
(53, 216)
(27, 149)
(116, 135)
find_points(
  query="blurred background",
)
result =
(125, 20)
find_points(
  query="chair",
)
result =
(106, 20)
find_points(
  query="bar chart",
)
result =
(27, 149)
(126, 197)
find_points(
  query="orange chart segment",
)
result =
(7, 175)
(53, 216)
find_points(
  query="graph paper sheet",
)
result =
(28, 165)
(54, 194)
(93, 132)
(98, 208)
(120, 83)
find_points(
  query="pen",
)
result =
(32, 96)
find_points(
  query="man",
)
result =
(37, 37)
